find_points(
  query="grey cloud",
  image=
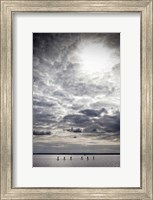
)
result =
(92, 122)
(41, 132)
(111, 123)
(43, 118)
(77, 120)
(93, 113)
(105, 125)
(116, 69)
(43, 104)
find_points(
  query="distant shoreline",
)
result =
(76, 153)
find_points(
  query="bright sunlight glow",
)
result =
(95, 58)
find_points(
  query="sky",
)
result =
(76, 84)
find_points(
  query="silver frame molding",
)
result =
(144, 7)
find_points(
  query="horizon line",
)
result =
(76, 153)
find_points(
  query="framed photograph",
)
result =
(76, 100)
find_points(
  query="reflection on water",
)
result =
(76, 160)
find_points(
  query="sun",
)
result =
(95, 58)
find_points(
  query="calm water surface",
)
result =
(76, 160)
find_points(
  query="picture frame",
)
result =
(144, 7)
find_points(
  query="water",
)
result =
(76, 160)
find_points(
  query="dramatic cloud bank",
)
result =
(76, 85)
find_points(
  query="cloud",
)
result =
(43, 119)
(110, 123)
(105, 124)
(43, 104)
(41, 132)
(65, 92)
(93, 113)
(95, 122)
(77, 120)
